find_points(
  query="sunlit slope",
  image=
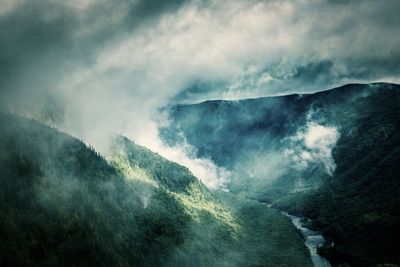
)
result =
(230, 231)
(62, 204)
(356, 205)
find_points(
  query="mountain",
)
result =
(331, 156)
(64, 204)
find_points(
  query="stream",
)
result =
(313, 241)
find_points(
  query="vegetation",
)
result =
(62, 204)
(358, 206)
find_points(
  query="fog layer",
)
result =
(94, 68)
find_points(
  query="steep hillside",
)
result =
(228, 230)
(62, 204)
(331, 156)
(359, 207)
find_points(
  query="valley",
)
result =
(329, 156)
(314, 240)
(65, 204)
(199, 133)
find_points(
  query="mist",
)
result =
(93, 69)
(308, 150)
(313, 144)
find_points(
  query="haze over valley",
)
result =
(199, 133)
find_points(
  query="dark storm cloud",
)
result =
(96, 67)
(42, 40)
(323, 43)
(26, 37)
(328, 43)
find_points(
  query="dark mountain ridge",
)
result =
(63, 204)
(330, 156)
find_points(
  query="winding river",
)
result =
(313, 241)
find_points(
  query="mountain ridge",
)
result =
(342, 87)
(63, 204)
(280, 150)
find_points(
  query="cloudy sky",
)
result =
(109, 66)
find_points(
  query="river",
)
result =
(313, 241)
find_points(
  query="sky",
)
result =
(97, 67)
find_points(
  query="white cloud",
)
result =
(314, 144)
(256, 48)
(185, 154)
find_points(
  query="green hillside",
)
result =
(357, 206)
(62, 204)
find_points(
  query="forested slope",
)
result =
(355, 202)
(62, 204)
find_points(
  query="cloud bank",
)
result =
(314, 144)
(98, 67)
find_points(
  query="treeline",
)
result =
(62, 204)
(359, 207)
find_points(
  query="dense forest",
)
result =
(351, 196)
(359, 207)
(64, 204)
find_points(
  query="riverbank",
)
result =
(314, 240)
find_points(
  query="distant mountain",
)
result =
(331, 156)
(63, 204)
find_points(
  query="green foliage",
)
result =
(167, 173)
(62, 204)
(358, 208)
